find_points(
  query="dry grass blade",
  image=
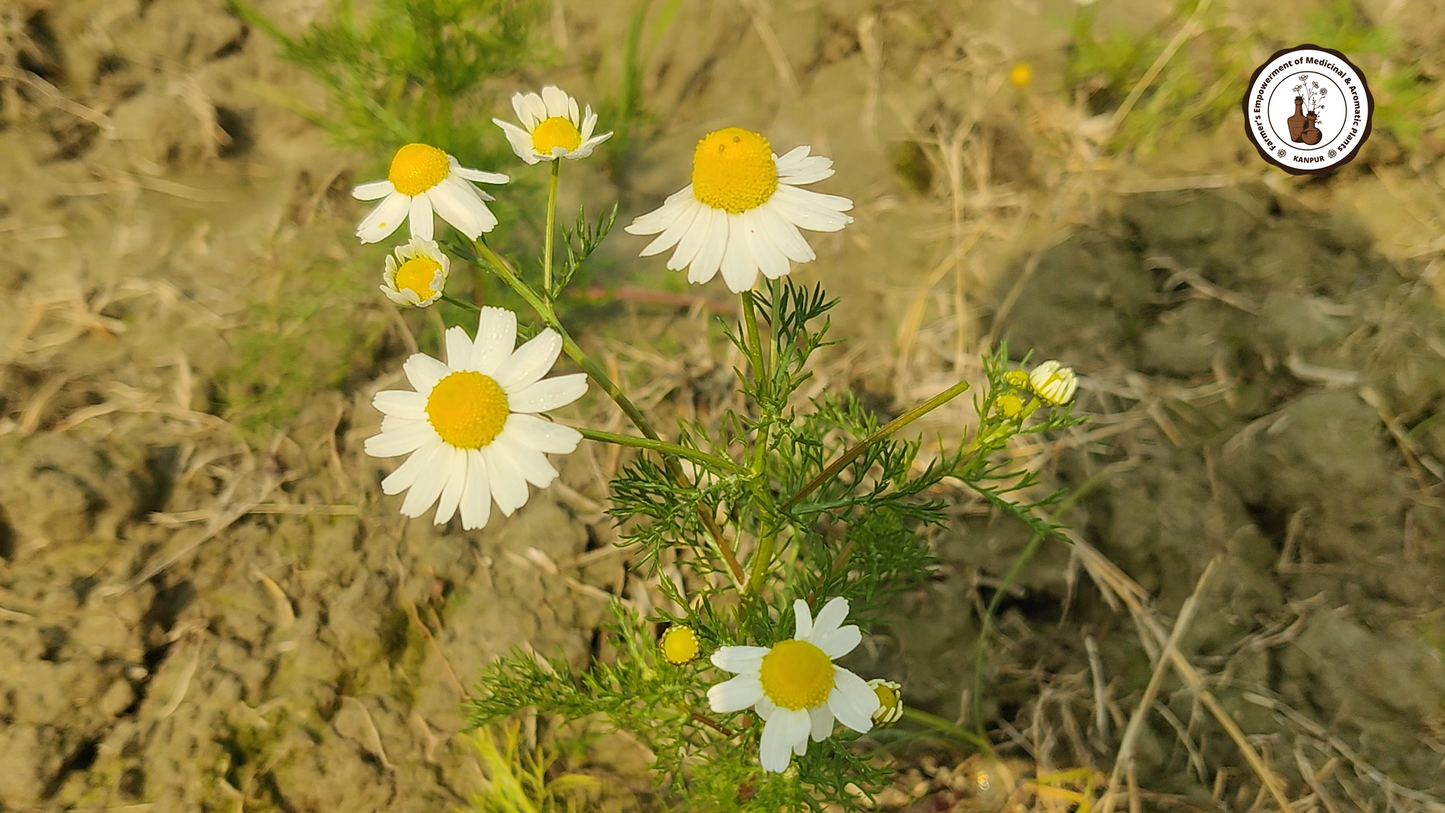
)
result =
(1125, 759)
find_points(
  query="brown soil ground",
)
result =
(195, 615)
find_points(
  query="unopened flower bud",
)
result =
(1053, 383)
(890, 701)
(680, 645)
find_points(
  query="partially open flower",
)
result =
(417, 275)
(1053, 383)
(890, 701)
(552, 127)
(680, 645)
(1016, 378)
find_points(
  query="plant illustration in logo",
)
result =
(1302, 125)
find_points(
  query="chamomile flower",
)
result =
(795, 686)
(553, 128)
(424, 179)
(470, 424)
(1053, 383)
(742, 211)
(417, 274)
(890, 701)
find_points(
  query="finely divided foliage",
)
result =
(771, 514)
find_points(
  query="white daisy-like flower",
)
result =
(417, 275)
(424, 179)
(795, 686)
(742, 211)
(553, 128)
(1053, 383)
(470, 425)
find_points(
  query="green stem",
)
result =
(941, 725)
(893, 426)
(460, 303)
(575, 352)
(760, 375)
(662, 447)
(551, 227)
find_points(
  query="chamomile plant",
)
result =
(792, 523)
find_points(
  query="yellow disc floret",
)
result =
(733, 170)
(558, 131)
(416, 275)
(680, 645)
(467, 409)
(796, 675)
(417, 168)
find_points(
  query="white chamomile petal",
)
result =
(752, 207)
(471, 440)
(739, 658)
(736, 694)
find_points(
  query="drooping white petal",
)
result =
(738, 269)
(715, 240)
(477, 497)
(544, 436)
(783, 234)
(586, 147)
(780, 734)
(830, 617)
(401, 440)
(509, 487)
(531, 463)
(735, 694)
(520, 140)
(790, 159)
(422, 225)
(464, 196)
(405, 474)
(424, 372)
(530, 362)
(811, 210)
(765, 708)
(852, 701)
(770, 259)
(572, 114)
(803, 620)
(839, 642)
(459, 348)
(496, 335)
(477, 175)
(452, 204)
(664, 215)
(384, 219)
(452, 491)
(699, 226)
(549, 393)
(373, 190)
(686, 216)
(429, 481)
(822, 719)
(741, 659)
(402, 404)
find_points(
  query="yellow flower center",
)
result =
(417, 168)
(887, 699)
(796, 675)
(1020, 74)
(1009, 405)
(557, 131)
(733, 170)
(416, 275)
(680, 645)
(467, 409)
